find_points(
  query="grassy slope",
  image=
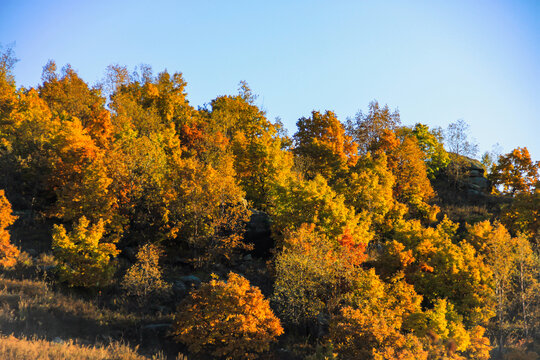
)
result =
(30, 309)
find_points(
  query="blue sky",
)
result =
(436, 61)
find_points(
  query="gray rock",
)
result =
(153, 333)
(248, 257)
(191, 281)
(179, 291)
(130, 253)
(32, 252)
(157, 327)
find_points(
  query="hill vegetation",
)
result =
(133, 225)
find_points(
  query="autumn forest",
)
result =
(135, 226)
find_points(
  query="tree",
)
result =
(206, 210)
(83, 259)
(357, 335)
(459, 148)
(227, 319)
(445, 267)
(144, 278)
(412, 185)
(315, 202)
(516, 172)
(313, 272)
(259, 161)
(523, 215)
(430, 142)
(7, 82)
(323, 146)
(8, 252)
(68, 94)
(457, 140)
(366, 130)
(369, 187)
(79, 176)
(515, 269)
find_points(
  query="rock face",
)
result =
(475, 182)
(259, 233)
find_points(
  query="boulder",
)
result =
(179, 289)
(191, 281)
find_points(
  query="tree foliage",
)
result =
(8, 252)
(227, 319)
(144, 278)
(515, 172)
(322, 145)
(83, 258)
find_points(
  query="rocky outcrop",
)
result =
(259, 233)
(470, 175)
(476, 182)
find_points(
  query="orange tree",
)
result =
(515, 172)
(8, 252)
(230, 319)
(323, 146)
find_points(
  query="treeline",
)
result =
(363, 262)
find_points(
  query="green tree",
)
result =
(430, 142)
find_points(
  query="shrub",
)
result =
(230, 319)
(144, 278)
(83, 260)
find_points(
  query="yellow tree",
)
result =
(515, 268)
(8, 97)
(145, 278)
(68, 94)
(313, 273)
(523, 215)
(315, 202)
(445, 267)
(228, 319)
(79, 177)
(26, 137)
(259, 161)
(83, 258)
(206, 210)
(8, 252)
(369, 187)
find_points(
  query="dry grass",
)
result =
(12, 348)
(30, 309)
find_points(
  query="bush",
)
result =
(82, 259)
(144, 278)
(230, 319)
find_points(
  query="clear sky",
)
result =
(436, 61)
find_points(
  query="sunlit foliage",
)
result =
(83, 258)
(8, 252)
(227, 318)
